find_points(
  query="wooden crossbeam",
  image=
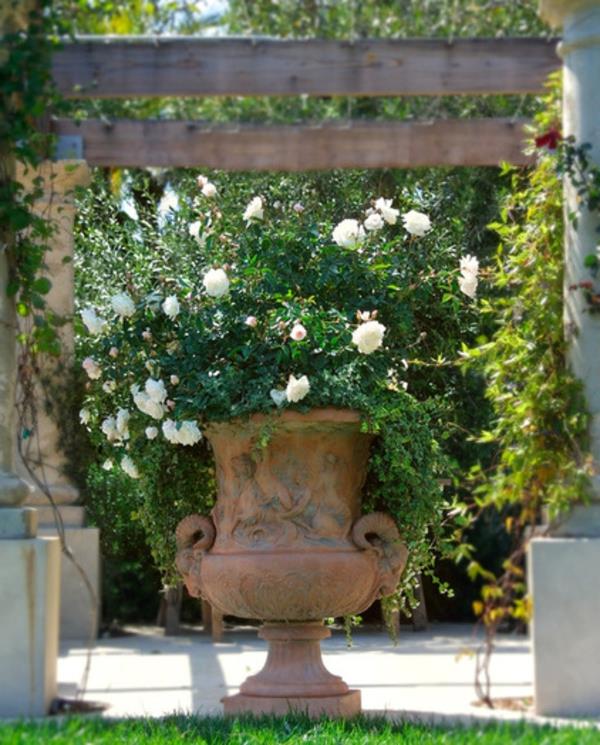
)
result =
(125, 67)
(356, 144)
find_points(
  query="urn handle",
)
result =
(378, 532)
(194, 536)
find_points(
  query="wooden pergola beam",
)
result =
(126, 67)
(355, 144)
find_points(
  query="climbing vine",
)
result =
(540, 423)
(27, 96)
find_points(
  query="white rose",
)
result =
(297, 388)
(129, 467)
(251, 321)
(374, 222)
(194, 230)
(169, 428)
(92, 368)
(298, 332)
(113, 352)
(469, 265)
(107, 465)
(171, 307)
(368, 336)
(201, 180)
(216, 282)
(156, 390)
(109, 386)
(209, 190)
(85, 416)
(151, 432)
(122, 423)
(109, 429)
(416, 223)
(348, 233)
(174, 380)
(468, 285)
(122, 305)
(254, 210)
(146, 405)
(188, 433)
(389, 213)
(298, 208)
(94, 324)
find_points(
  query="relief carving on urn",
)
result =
(286, 543)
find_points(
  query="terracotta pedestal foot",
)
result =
(294, 677)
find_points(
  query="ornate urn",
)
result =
(286, 543)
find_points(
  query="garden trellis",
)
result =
(117, 67)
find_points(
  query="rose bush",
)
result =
(280, 310)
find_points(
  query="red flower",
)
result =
(549, 139)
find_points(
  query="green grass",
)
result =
(293, 730)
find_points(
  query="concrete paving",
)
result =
(427, 675)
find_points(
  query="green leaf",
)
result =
(42, 285)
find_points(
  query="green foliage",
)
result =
(130, 580)
(540, 420)
(432, 18)
(27, 94)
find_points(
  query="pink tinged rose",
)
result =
(113, 352)
(209, 190)
(251, 321)
(298, 332)
(92, 368)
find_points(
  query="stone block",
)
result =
(73, 516)
(78, 617)
(18, 522)
(30, 584)
(565, 586)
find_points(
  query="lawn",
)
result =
(292, 730)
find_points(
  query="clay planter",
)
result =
(287, 544)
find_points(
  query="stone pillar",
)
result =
(29, 566)
(563, 569)
(79, 617)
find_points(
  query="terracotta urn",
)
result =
(286, 544)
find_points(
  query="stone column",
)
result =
(41, 450)
(79, 619)
(29, 566)
(563, 569)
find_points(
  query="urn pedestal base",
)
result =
(294, 677)
(347, 706)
